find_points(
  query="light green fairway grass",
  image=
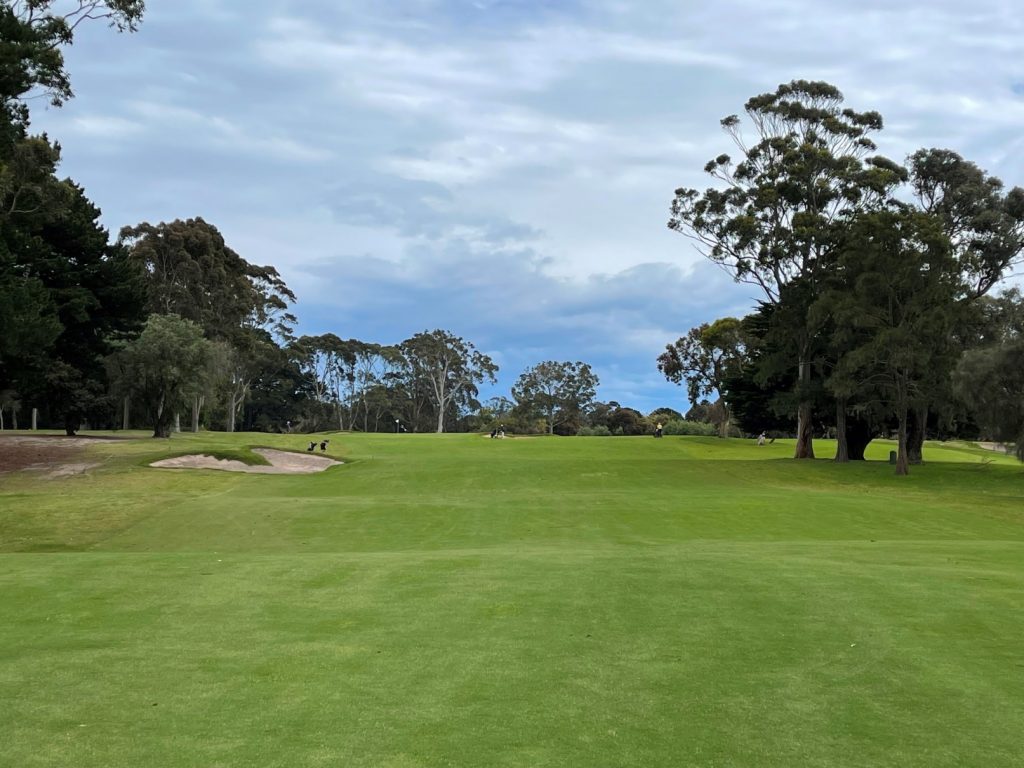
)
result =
(458, 601)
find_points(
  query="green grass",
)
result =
(460, 601)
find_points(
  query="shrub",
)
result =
(599, 431)
(701, 428)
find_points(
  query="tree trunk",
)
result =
(197, 406)
(915, 434)
(161, 426)
(440, 418)
(1, 418)
(14, 417)
(842, 446)
(902, 464)
(125, 413)
(858, 436)
(805, 415)
(230, 424)
(177, 421)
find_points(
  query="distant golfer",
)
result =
(323, 445)
(657, 430)
(761, 438)
(312, 446)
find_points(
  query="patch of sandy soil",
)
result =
(281, 463)
(52, 454)
(998, 447)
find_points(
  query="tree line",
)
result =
(876, 280)
(877, 316)
(170, 328)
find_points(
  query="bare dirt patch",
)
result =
(53, 454)
(281, 463)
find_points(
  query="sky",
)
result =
(502, 169)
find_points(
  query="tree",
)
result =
(162, 363)
(325, 362)
(560, 391)
(70, 270)
(898, 282)
(990, 381)
(627, 421)
(190, 271)
(703, 358)
(985, 227)
(773, 224)
(449, 366)
(32, 34)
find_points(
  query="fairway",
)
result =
(451, 600)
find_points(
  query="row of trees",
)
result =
(875, 278)
(169, 322)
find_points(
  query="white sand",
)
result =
(281, 463)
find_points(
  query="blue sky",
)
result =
(502, 169)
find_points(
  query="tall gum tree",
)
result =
(449, 366)
(559, 390)
(190, 271)
(772, 220)
(984, 223)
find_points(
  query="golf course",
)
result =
(452, 600)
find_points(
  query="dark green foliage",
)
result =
(773, 222)
(65, 294)
(703, 358)
(161, 366)
(895, 286)
(191, 272)
(443, 370)
(558, 391)
(991, 381)
(985, 225)
(58, 255)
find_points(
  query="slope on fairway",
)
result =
(453, 600)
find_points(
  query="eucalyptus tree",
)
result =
(448, 367)
(703, 358)
(326, 363)
(772, 221)
(189, 270)
(162, 364)
(984, 223)
(561, 391)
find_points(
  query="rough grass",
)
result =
(455, 600)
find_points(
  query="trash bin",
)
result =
(892, 457)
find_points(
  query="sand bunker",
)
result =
(281, 463)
